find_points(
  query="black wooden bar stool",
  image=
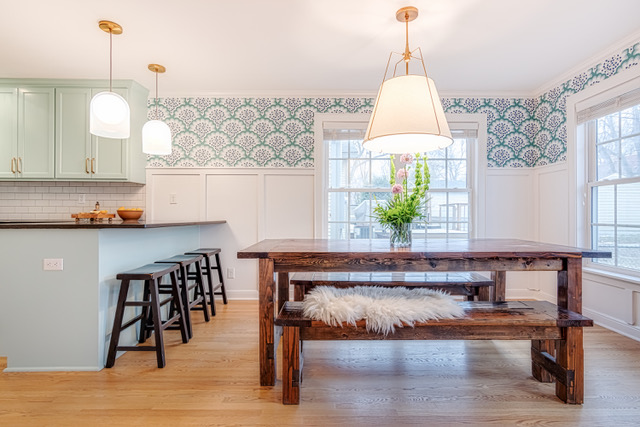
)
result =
(150, 316)
(189, 299)
(207, 253)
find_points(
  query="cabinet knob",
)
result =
(19, 163)
(13, 168)
(93, 168)
(86, 165)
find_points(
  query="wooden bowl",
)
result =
(129, 214)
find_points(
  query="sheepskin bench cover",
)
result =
(383, 309)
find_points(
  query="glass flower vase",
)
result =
(401, 235)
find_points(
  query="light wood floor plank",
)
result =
(213, 380)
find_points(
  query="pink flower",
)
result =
(402, 174)
(406, 158)
(397, 189)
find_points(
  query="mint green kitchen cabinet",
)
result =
(8, 132)
(44, 132)
(80, 154)
(27, 133)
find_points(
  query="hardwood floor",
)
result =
(213, 380)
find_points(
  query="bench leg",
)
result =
(538, 372)
(570, 356)
(291, 365)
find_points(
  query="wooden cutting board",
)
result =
(89, 215)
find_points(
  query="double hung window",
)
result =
(612, 131)
(355, 180)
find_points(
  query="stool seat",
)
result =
(147, 272)
(182, 259)
(205, 251)
(207, 271)
(150, 316)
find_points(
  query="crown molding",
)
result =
(589, 63)
(268, 94)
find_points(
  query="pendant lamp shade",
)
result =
(156, 135)
(156, 138)
(109, 116)
(407, 118)
(109, 113)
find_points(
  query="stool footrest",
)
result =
(131, 322)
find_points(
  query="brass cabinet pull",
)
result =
(19, 164)
(86, 165)
(13, 168)
(93, 169)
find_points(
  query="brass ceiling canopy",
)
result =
(110, 27)
(157, 68)
(407, 14)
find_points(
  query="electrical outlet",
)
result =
(52, 264)
(231, 273)
(81, 199)
(173, 199)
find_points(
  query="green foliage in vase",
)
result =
(405, 204)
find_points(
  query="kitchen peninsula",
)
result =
(61, 320)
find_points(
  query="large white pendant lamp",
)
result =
(156, 135)
(109, 114)
(408, 116)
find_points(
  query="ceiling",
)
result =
(311, 46)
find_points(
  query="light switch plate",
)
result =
(52, 264)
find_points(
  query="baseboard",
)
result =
(612, 324)
(240, 295)
(55, 369)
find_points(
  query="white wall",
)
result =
(256, 203)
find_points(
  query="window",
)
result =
(613, 186)
(353, 180)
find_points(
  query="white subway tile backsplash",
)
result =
(58, 200)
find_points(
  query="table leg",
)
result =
(570, 285)
(283, 289)
(266, 294)
(500, 285)
(570, 351)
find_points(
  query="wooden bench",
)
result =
(470, 285)
(545, 324)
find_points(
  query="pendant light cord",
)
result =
(407, 52)
(156, 95)
(110, 59)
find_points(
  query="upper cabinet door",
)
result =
(8, 132)
(35, 132)
(73, 142)
(109, 155)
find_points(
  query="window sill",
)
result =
(628, 278)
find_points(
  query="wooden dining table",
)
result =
(285, 256)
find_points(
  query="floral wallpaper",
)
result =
(278, 132)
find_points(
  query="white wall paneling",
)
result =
(256, 203)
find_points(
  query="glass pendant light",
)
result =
(156, 135)
(109, 114)
(408, 116)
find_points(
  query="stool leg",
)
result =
(157, 325)
(184, 289)
(180, 307)
(200, 288)
(223, 290)
(117, 324)
(145, 332)
(207, 272)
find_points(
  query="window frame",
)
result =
(581, 164)
(476, 175)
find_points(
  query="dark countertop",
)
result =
(7, 224)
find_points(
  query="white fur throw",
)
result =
(384, 309)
